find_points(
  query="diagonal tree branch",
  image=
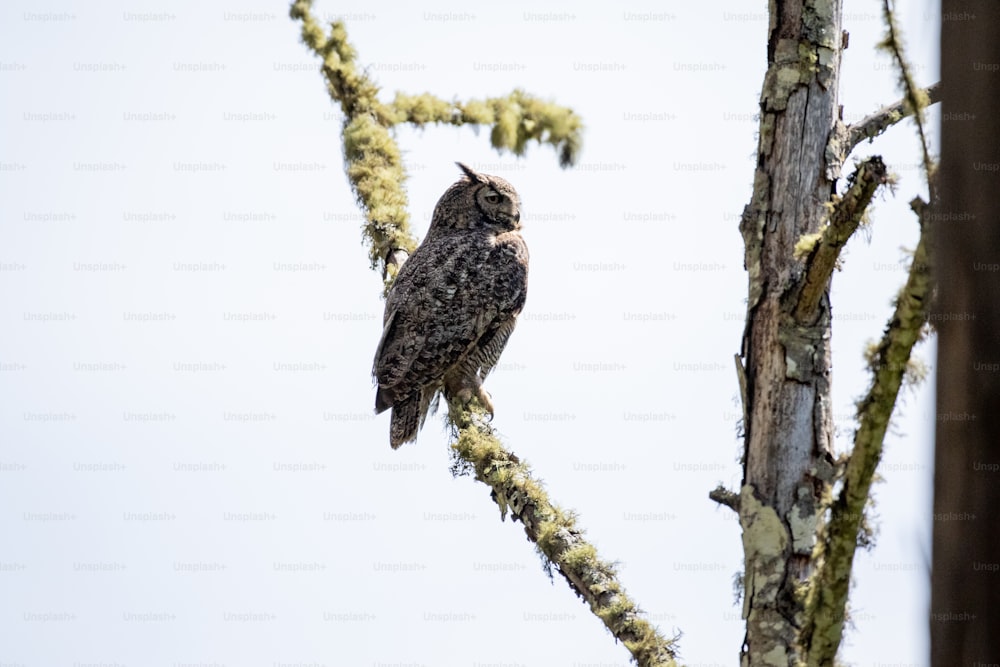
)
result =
(556, 535)
(914, 99)
(374, 168)
(875, 124)
(827, 600)
(847, 214)
(840, 537)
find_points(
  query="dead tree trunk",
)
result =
(799, 541)
(786, 349)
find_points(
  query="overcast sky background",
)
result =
(190, 471)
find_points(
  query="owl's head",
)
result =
(478, 201)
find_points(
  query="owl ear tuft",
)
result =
(472, 174)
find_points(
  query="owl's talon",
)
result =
(486, 401)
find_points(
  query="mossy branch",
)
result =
(556, 535)
(915, 98)
(889, 362)
(844, 220)
(827, 601)
(516, 120)
(374, 163)
(875, 124)
(374, 168)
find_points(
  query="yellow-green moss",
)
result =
(374, 164)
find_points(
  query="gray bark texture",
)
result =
(788, 465)
(799, 541)
(965, 581)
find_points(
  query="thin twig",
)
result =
(915, 101)
(875, 124)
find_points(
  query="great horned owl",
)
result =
(453, 305)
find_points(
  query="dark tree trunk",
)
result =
(965, 589)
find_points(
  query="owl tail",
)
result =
(405, 421)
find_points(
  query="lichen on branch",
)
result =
(556, 535)
(876, 123)
(846, 214)
(374, 165)
(826, 605)
(915, 99)
(516, 120)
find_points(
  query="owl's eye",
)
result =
(492, 197)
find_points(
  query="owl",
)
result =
(453, 305)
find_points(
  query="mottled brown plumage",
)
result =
(453, 305)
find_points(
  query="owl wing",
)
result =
(510, 287)
(491, 345)
(416, 350)
(456, 304)
(427, 325)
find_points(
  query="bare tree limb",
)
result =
(875, 124)
(827, 600)
(844, 220)
(724, 496)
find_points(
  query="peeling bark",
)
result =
(798, 566)
(788, 465)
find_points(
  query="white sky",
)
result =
(173, 493)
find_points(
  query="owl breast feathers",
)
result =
(453, 305)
